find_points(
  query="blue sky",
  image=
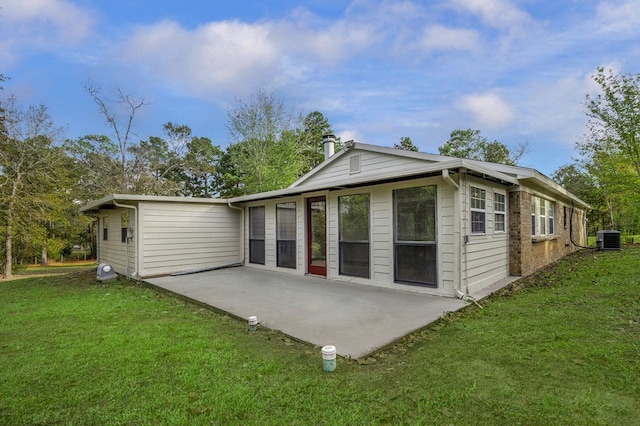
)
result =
(516, 70)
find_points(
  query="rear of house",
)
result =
(369, 215)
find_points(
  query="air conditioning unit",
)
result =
(608, 240)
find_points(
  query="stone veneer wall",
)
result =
(527, 254)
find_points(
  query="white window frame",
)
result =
(257, 237)
(105, 228)
(499, 212)
(534, 209)
(543, 217)
(477, 209)
(286, 234)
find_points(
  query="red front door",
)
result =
(316, 236)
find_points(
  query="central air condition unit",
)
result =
(608, 240)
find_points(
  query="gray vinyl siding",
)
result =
(485, 256)
(180, 237)
(121, 256)
(382, 236)
(473, 265)
(372, 165)
(448, 247)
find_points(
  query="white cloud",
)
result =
(215, 56)
(619, 16)
(349, 135)
(328, 43)
(438, 37)
(236, 57)
(488, 110)
(42, 24)
(499, 14)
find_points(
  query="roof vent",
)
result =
(608, 240)
(354, 164)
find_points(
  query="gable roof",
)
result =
(406, 165)
(410, 164)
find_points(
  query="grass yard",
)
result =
(560, 347)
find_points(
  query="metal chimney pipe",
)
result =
(329, 142)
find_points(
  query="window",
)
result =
(124, 225)
(256, 235)
(499, 212)
(533, 215)
(543, 217)
(354, 235)
(286, 235)
(105, 228)
(551, 217)
(415, 235)
(478, 210)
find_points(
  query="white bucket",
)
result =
(329, 358)
(253, 323)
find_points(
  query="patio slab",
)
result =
(357, 319)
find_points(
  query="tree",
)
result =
(265, 151)
(614, 118)
(406, 144)
(582, 184)
(3, 117)
(470, 144)
(201, 164)
(314, 126)
(33, 177)
(264, 118)
(122, 128)
(610, 148)
(157, 163)
(97, 167)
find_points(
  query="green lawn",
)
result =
(561, 347)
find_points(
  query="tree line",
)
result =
(44, 178)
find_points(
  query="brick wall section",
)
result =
(526, 254)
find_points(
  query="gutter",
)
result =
(242, 242)
(447, 178)
(135, 238)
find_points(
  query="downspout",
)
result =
(447, 178)
(452, 183)
(242, 242)
(135, 238)
(464, 273)
(464, 295)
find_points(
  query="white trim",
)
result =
(500, 212)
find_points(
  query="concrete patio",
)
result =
(357, 319)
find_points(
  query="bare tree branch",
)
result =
(122, 129)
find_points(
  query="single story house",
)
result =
(368, 214)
